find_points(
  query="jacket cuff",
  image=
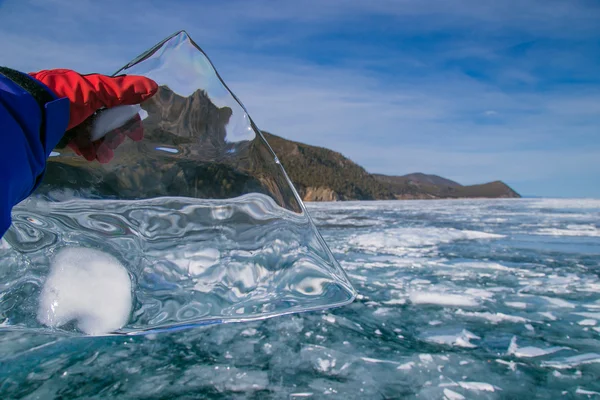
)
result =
(55, 112)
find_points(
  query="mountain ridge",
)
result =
(321, 174)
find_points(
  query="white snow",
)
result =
(494, 318)
(325, 365)
(586, 392)
(407, 366)
(452, 395)
(426, 358)
(443, 299)
(516, 304)
(480, 386)
(591, 315)
(557, 303)
(87, 286)
(382, 311)
(510, 364)
(530, 351)
(565, 203)
(249, 332)
(395, 302)
(461, 339)
(548, 315)
(480, 293)
(574, 361)
(401, 241)
(588, 322)
(482, 265)
(571, 230)
(328, 318)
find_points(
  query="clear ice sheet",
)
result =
(200, 212)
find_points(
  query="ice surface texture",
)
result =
(530, 335)
(200, 215)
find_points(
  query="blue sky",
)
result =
(471, 90)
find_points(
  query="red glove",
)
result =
(89, 93)
(102, 149)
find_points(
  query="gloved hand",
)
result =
(89, 93)
(102, 149)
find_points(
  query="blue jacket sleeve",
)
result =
(32, 122)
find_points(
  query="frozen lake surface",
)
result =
(465, 299)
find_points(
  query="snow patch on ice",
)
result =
(443, 299)
(586, 392)
(494, 318)
(574, 361)
(510, 364)
(480, 293)
(395, 302)
(588, 322)
(565, 203)
(591, 315)
(461, 339)
(530, 351)
(516, 304)
(87, 286)
(548, 315)
(407, 366)
(426, 358)
(249, 332)
(401, 241)
(571, 230)
(483, 265)
(452, 395)
(382, 311)
(329, 318)
(557, 303)
(479, 386)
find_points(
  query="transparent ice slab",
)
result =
(200, 214)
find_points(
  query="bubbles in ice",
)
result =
(89, 287)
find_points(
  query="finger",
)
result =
(114, 138)
(133, 128)
(88, 152)
(136, 131)
(120, 90)
(74, 147)
(136, 134)
(82, 145)
(104, 154)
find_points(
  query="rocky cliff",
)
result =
(320, 174)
